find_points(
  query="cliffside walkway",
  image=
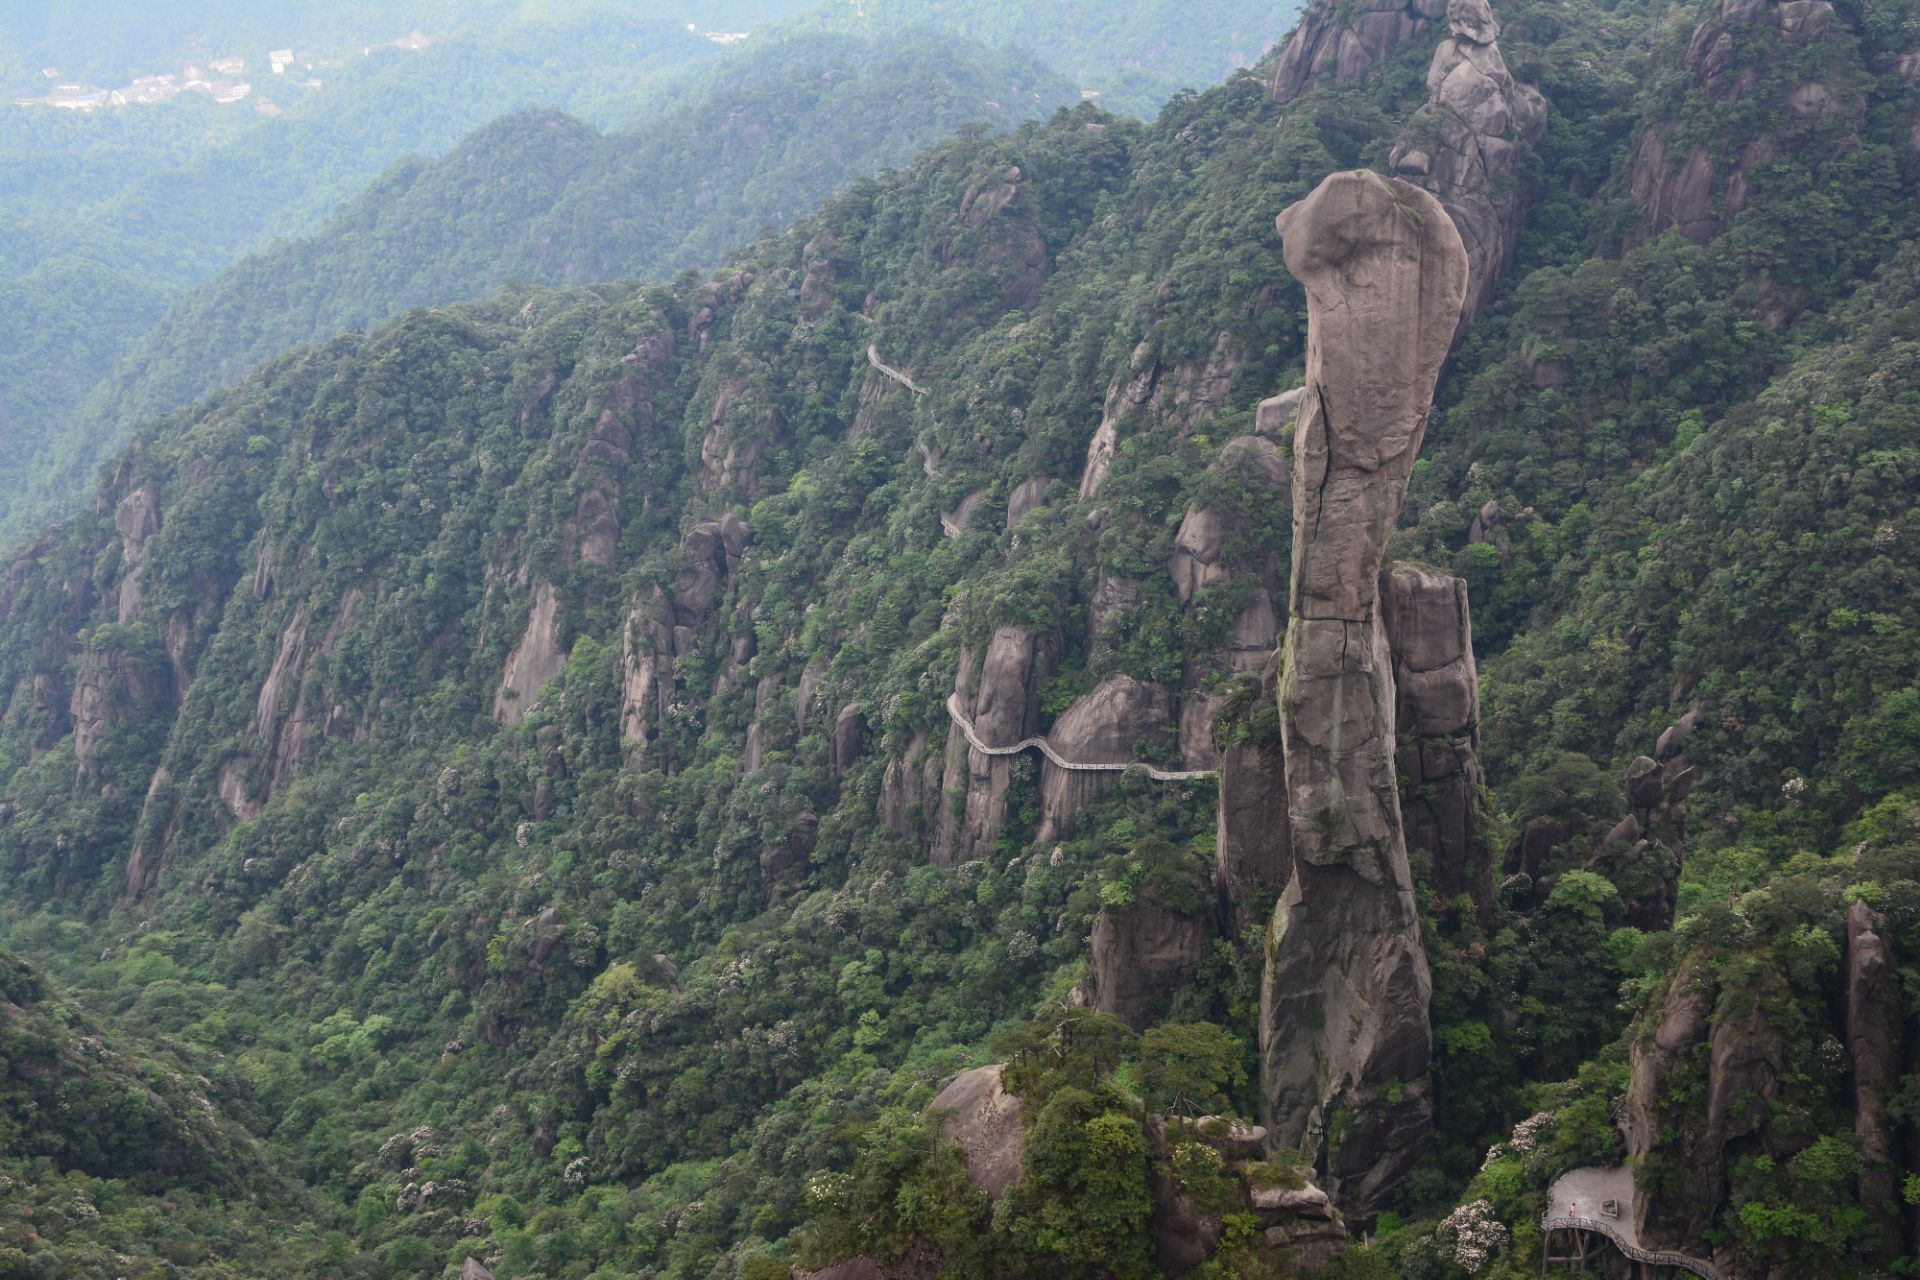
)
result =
(873, 358)
(1074, 766)
(1580, 1201)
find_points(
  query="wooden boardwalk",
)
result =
(873, 358)
(1074, 766)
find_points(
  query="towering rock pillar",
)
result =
(1344, 1036)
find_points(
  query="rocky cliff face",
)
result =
(1116, 723)
(1438, 717)
(1467, 143)
(1001, 699)
(1344, 1024)
(1339, 43)
(1743, 48)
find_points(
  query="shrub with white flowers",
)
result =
(1473, 1234)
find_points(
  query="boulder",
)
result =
(1673, 740)
(1644, 784)
(1273, 420)
(1344, 1012)
(1538, 839)
(977, 1112)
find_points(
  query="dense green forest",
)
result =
(112, 217)
(542, 197)
(117, 216)
(494, 773)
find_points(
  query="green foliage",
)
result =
(639, 995)
(1187, 1068)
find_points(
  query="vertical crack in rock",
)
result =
(1344, 1035)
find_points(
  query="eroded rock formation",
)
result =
(1438, 717)
(1001, 699)
(1466, 145)
(1337, 43)
(1344, 1025)
(1115, 723)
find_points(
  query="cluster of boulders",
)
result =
(1294, 1215)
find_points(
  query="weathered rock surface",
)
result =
(1745, 1058)
(534, 661)
(1116, 723)
(1143, 954)
(1273, 420)
(1467, 143)
(136, 519)
(1339, 43)
(1873, 1046)
(1252, 843)
(1344, 1022)
(114, 691)
(1438, 717)
(985, 1120)
(848, 738)
(1001, 699)
(1025, 499)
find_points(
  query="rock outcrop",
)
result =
(1727, 59)
(1252, 844)
(115, 690)
(1872, 1037)
(1113, 724)
(1438, 718)
(1145, 953)
(1001, 699)
(1744, 1063)
(1467, 143)
(1337, 43)
(534, 661)
(977, 1112)
(1344, 1011)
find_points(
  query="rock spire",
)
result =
(1344, 1035)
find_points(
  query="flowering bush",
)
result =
(1473, 1235)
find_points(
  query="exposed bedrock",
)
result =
(1344, 1034)
(1338, 42)
(1147, 952)
(1252, 846)
(1467, 143)
(1437, 713)
(1116, 723)
(1001, 698)
(1873, 1047)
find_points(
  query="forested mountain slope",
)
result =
(518, 740)
(542, 197)
(101, 238)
